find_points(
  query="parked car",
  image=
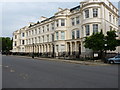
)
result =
(115, 59)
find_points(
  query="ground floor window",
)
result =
(62, 48)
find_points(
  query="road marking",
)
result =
(12, 70)
(6, 66)
(24, 76)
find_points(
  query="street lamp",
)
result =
(33, 51)
(105, 49)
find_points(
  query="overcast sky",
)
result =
(16, 15)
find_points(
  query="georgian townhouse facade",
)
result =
(67, 29)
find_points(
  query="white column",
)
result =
(71, 47)
(82, 47)
(75, 34)
(59, 21)
(47, 47)
(41, 48)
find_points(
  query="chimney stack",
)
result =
(42, 18)
(60, 9)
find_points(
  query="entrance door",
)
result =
(53, 51)
(79, 49)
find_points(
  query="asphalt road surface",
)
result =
(31, 73)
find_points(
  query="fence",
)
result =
(63, 55)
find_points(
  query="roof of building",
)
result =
(75, 8)
(72, 9)
(41, 21)
(47, 19)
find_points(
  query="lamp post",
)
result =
(105, 49)
(33, 51)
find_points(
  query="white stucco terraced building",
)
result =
(65, 31)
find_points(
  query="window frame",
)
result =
(73, 21)
(57, 23)
(87, 30)
(77, 33)
(23, 42)
(95, 28)
(23, 34)
(52, 25)
(73, 34)
(62, 35)
(87, 13)
(57, 36)
(48, 27)
(77, 20)
(95, 12)
(62, 22)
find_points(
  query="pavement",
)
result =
(21, 72)
(87, 62)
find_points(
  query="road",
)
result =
(31, 73)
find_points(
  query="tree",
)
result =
(100, 43)
(95, 42)
(6, 44)
(111, 41)
(0, 43)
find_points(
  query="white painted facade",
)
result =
(65, 31)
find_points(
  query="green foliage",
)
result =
(0, 43)
(111, 41)
(97, 41)
(6, 43)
